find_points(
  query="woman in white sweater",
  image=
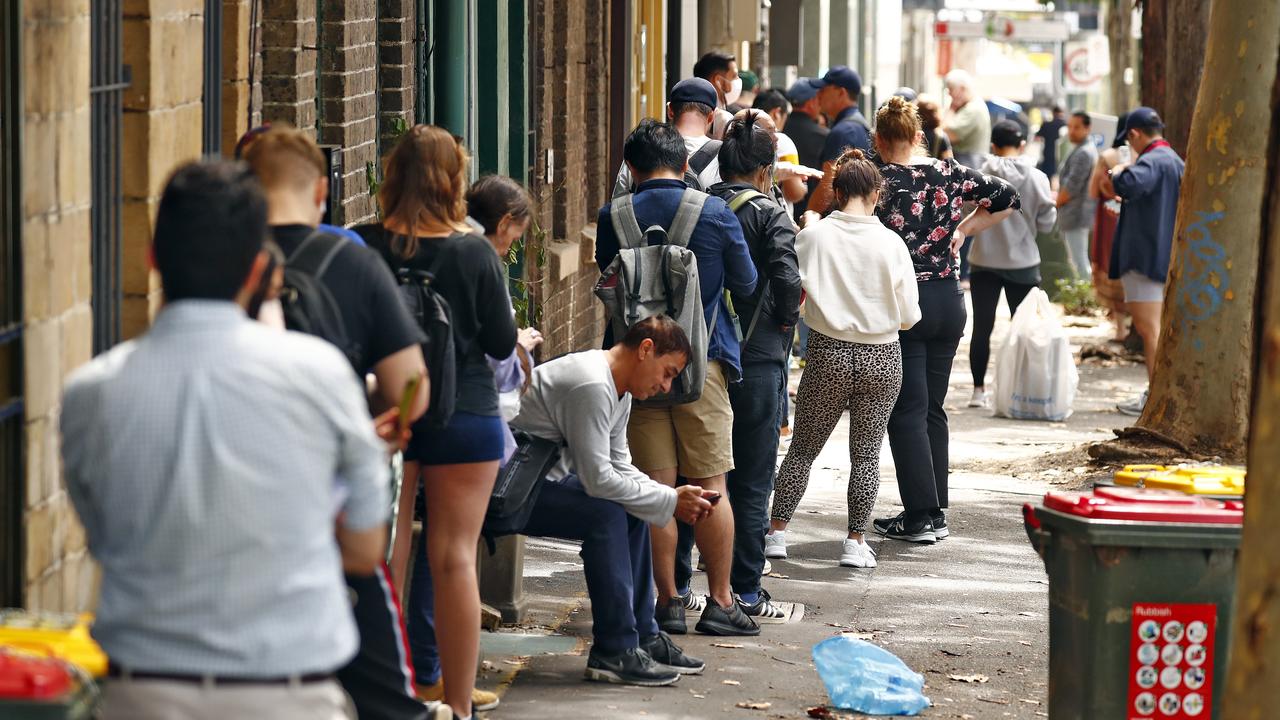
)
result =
(861, 289)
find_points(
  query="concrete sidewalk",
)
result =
(973, 606)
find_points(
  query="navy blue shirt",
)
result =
(724, 261)
(1144, 237)
(849, 130)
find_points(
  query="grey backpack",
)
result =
(659, 279)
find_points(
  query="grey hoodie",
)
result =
(1011, 245)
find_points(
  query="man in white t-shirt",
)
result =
(691, 108)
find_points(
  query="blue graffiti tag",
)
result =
(1203, 279)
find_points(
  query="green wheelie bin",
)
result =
(1141, 593)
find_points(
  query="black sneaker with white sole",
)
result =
(667, 653)
(671, 617)
(732, 620)
(918, 531)
(629, 667)
(763, 611)
(940, 530)
(882, 524)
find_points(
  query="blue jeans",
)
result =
(616, 559)
(757, 419)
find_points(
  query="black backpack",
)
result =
(308, 305)
(431, 311)
(698, 162)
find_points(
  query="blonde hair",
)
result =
(898, 122)
(425, 185)
(285, 157)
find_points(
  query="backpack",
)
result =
(698, 162)
(659, 279)
(430, 310)
(308, 305)
(736, 203)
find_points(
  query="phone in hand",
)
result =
(406, 400)
(712, 497)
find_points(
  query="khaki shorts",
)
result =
(695, 438)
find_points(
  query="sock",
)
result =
(682, 592)
(915, 516)
(750, 598)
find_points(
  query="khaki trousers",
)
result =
(172, 700)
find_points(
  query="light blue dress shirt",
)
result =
(202, 459)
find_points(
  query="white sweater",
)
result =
(858, 279)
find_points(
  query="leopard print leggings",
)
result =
(839, 376)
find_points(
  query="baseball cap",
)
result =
(1143, 118)
(801, 91)
(906, 93)
(693, 90)
(749, 79)
(1121, 130)
(1007, 133)
(841, 76)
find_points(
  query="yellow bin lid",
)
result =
(1135, 475)
(61, 635)
(1215, 480)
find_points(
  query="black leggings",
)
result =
(985, 288)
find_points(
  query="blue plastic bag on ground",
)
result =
(868, 679)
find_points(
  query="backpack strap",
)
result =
(687, 214)
(736, 203)
(622, 213)
(700, 159)
(744, 197)
(314, 255)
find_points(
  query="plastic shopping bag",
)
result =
(866, 678)
(1036, 375)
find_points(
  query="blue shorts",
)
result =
(468, 438)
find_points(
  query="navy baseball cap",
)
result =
(801, 91)
(1143, 118)
(694, 90)
(1122, 123)
(841, 76)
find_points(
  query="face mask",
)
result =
(324, 207)
(735, 92)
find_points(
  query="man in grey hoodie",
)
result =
(1005, 257)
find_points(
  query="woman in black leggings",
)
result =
(922, 203)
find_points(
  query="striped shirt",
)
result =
(202, 460)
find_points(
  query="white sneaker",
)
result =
(979, 398)
(1134, 407)
(857, 553)
(768, 568)
(775, 545)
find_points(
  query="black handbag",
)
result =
(518, 485)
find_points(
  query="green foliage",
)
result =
(399, 126)
(1075, 296)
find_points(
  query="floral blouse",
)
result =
(922, 202)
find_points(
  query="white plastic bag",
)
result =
(1036, 374)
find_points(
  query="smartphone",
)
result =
(713, 498)
(406, 400)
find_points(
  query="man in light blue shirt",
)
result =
(203, 460)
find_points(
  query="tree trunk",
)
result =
(1250, 40)
(1186, 31)
(1201, 388)
(1153, 54)
(1123, 51)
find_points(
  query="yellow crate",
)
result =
(1214, 480)
(61, 635)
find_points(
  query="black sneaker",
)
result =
(763, 610)
(920, 531)
(667, 653)
(716, 620)
(671, 617)
(882, 524)
(629, 667)
(940, 530)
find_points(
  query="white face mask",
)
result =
(324, 207)
(735, 92)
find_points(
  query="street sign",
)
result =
(1085, 63)
(1004, 29)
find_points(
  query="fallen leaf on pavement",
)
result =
(1027, 614)
(969, 678)
(700, 697)
(730, 682)
(727, 645)
(779, 575)
(1024, 642)
(1029, 701)
(952, 653)
(755, 705)
(994, 701)
(956, 625)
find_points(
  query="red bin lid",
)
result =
(1145, 505)
(27, 677)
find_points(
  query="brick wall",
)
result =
(56, 288)
(569, 51)
(348, 60)
(241, 70)
(288, 62)
(396, 63)
(163, 112)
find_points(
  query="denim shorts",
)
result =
(468, 438)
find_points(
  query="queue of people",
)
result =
(232, 473)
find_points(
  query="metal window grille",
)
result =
(12, 470)
(108, 78)
(212, 125)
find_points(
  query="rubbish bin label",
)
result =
(1171, 661)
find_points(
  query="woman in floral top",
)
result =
(923, 202)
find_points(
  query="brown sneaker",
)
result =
(481, 700)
